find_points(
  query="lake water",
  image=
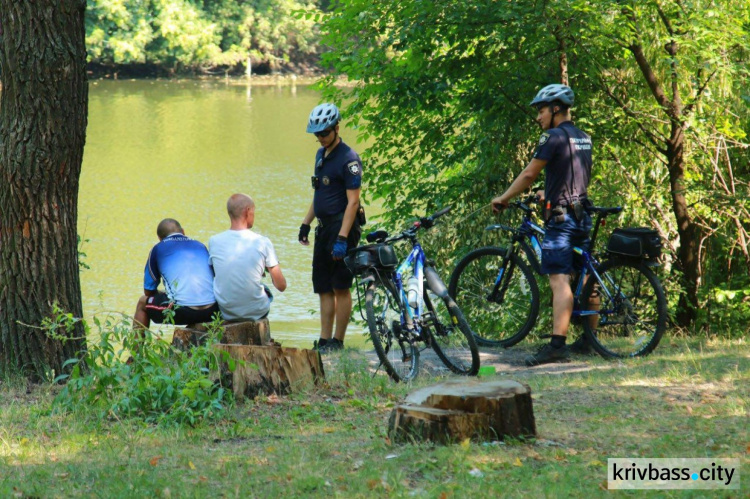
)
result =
(179, 149)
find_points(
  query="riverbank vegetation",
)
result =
(155, 37)
(331, 440)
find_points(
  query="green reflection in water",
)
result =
(159, 149)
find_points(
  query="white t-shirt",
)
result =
(239, 259)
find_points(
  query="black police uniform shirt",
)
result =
(565, 181)
(339, 171)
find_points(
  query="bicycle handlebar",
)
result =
(422, 223)
(441, 212)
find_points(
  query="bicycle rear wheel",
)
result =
(506, 318)
(394, 347)
(449, 334)
(632, 309)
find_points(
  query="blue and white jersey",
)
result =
(182, 263)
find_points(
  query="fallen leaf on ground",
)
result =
(191, 465)
(466, 444)
(517, 462)
(329, 429)
(596, 462)
(154, 460)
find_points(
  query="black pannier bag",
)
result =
(380, 256)
(635, 242)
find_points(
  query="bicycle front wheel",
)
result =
(394, 347)
(450, 335)
(503, 318)
(632, 309)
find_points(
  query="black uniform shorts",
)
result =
(329, 274)
(157, 304)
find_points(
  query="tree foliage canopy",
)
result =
(441, 89)
(181, 34)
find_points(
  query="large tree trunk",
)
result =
(43, 111)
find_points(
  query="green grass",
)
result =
(689, 399)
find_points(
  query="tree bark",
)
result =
(270, 369)
(688, 231)
(43, 113)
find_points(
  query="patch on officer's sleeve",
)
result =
(353, 168)
(543, 139)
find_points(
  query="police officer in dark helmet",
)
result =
(337, 181)
(564, 153)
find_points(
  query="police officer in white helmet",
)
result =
(337, 182)
(564, 153)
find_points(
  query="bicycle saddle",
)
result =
(377, 236)
(605, 211)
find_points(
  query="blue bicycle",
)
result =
(408, 306)
(620, 301)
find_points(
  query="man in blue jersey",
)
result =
(564, 153)
(337, 183)
(182, 264)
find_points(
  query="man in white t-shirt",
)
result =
(240, 258)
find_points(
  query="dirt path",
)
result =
(506, 362)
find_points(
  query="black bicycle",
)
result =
(620, 301)
(408, 306)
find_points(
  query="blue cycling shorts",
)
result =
(558, 256)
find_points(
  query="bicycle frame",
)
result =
(415, 260)
(526, 236)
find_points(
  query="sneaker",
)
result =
(548, 354)
(320, 344)
(334, 344)
(581, 346)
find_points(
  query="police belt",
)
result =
(568, 207)
(576, 209)
(330, 220)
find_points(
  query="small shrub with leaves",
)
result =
(159, 385)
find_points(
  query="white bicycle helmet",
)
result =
(552, 93)
(323, 116)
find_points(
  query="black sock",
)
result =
(558, 340)
(322, 342)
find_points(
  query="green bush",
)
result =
(159, 385)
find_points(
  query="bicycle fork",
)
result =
(497, 295)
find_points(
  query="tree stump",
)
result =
(460, 409)
(242, 333)
(270, 369)
(247, 332)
